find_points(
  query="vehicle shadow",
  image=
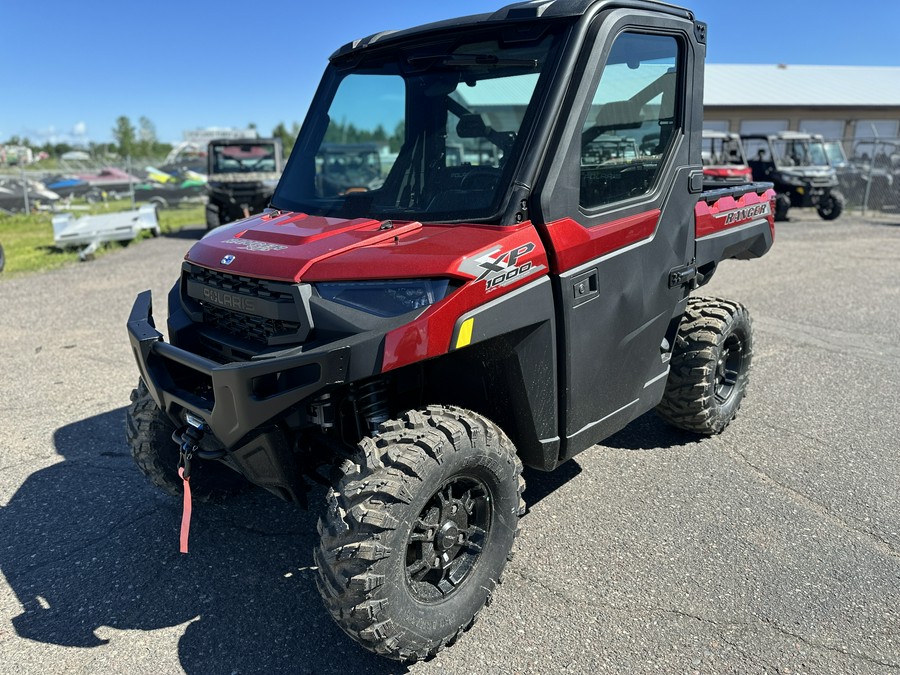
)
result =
(541, 484)
(195, 232)
(884, 223)
(87, 545)
(649, 432)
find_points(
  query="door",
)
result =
(616, 208)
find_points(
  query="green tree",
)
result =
(125, 136)
(287, 138)
(147, 145)
(101, 150)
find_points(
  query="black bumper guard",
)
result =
(243, 396)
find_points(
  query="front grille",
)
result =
(244, 192)
(246, 326)
(256, 311)
(247, 286)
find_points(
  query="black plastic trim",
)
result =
(745, 242)
(524, 321)
(236, 405)
(523, 307)
(520, 11)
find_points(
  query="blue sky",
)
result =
(70, 69)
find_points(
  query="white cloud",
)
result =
(80, 129)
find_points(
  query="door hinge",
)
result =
(682, 275)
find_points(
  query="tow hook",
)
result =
(189, 442)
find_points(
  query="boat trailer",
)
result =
(92, 231)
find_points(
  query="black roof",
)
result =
(530, 10)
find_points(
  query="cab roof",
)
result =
(519, 11)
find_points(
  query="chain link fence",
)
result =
(868, 171)
(27, 189)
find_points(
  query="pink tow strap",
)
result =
(186, 511)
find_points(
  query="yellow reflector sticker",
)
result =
(465, 333)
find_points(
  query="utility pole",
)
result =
(25, 188)
(871, 167)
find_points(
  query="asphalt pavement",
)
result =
(774, 547)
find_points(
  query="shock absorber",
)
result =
(372, 403)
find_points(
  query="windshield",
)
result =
(429, 132)
(886, 154)
(800, 152)
(243, 158)
(835, 153)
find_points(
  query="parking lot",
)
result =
(774, 547)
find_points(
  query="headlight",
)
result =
(791, 179)
(385, 298)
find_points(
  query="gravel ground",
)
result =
(774, 547)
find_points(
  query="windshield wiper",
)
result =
(472, 60)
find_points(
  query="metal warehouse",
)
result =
(839, 102)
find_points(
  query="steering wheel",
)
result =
(480, 178)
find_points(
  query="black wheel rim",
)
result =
(729, 368)
(448, 538)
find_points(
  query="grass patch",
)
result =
(27, 240)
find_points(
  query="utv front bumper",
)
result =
(233, 399)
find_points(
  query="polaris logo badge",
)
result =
(228, 259)
(732, 217)
(229, 300)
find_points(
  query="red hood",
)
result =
(293, 247)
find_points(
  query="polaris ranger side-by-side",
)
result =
(798, 166)
(243, 174)
(515, 290)
(724, 162)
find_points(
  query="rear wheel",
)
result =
(831, 206)
(149, 433)
(710, 366)
(782, 205)
(418, 531)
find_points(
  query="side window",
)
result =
(629, 128)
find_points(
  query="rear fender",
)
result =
(742, 228)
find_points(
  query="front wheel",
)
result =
(418, 531)
(213, 220)
(831, 206)
(710, 366)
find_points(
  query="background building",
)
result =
(204, 136)
(839, 102)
